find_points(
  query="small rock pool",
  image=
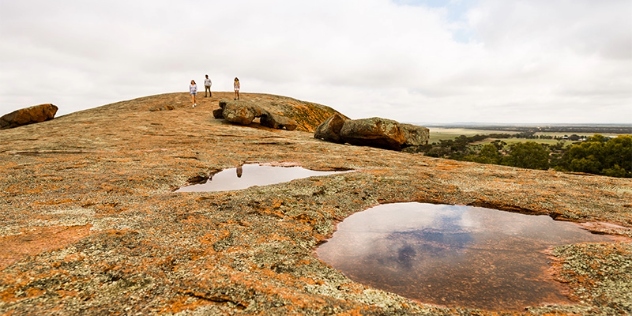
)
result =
(249, 175)
(453, 255)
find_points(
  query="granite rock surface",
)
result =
(91, 224)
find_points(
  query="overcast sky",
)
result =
(426, 61)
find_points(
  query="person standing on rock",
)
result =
(237, 86)
(193, 91)
(207, 86)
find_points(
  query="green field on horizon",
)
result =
(443, 133)
(510, 141)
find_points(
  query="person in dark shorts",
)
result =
(207, 86)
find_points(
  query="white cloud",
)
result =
(414, 61)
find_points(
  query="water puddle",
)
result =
(453, 255)
(250, 175)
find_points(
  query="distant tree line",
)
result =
(620, 129)
(531, 135)
(598, 154)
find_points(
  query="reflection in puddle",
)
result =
(250, 175)
(453, 255)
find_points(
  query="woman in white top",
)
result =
(193, 91)
(236, 85)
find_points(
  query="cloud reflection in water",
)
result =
(453, 255)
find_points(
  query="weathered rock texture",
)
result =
(241, 112)
(30, 115)
(91, 224)
(415, 135)
(375, 132)
(274, 112)
(329, 130)
(277, 121)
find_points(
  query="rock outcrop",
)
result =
(219, 113)
(240, 112)
(329, 130)
(91, 224)
(373, 132)
(276, 121)
(30, 115)
(277, 113)
(415, 135)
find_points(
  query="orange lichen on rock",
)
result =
(54, 202)
(38, 239)
(250, 251)
(183, 303)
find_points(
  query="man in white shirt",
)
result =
(207, 86)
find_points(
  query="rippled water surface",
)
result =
(453, 255)
(252, 174)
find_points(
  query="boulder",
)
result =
(277, 121)
(30, 115)
(241, 112)
(415, 135)
(244, 113)
(218, 113)
(281, 112)
(329, 130)
(374, 132)
(222, 103)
